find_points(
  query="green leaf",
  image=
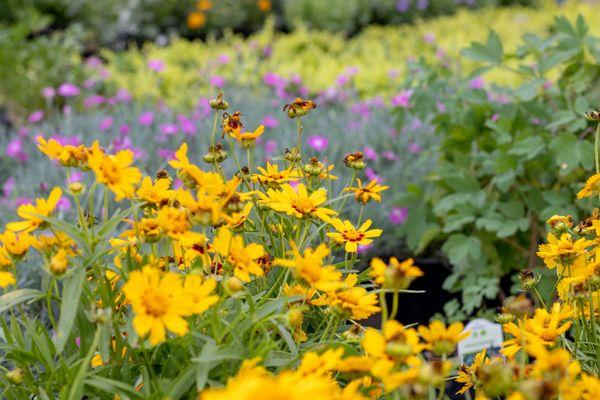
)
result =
(112, 386)
(18, 296)
(185, 380)
(462, 249)
(73, 286)
(528, 148)
(490, 52)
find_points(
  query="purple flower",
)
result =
(274, 80)
(429, 38)
(371, 174)
(269, 121)
(422, 4)
(342, 79)
(63, 204)
(48, 92)
(318, 142)
(105, 124)
(146, 118)
(370, 153)
(123, 96)
(8, 186)
(67, 110)
(402, 99)
(76, 176)
(495, 117)
(20, 201)
(389, 155)
(403, 5)
(217, 81)
(169, 129)
(393, 73)
(124, 129)
(36, 116)
(361, 108)
(93, 62)
(156, 65)
(414, 148)
(398, 215)
(477, 83)
(68, 90)
(187, 125)
(270, 146)
(89, 83)
(223, 58)
(93, 100)
(440, 107)
(14, 149)
(166, 154)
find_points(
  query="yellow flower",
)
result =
(467, 375)
(149, 230)
(115, 171)
(159, 303)
(370, 191)
(68, 156)
(247, 139)
(28, 212)
(195, 247)
(173, 221)
(397, 275)
(157, 193)
(242, 258)
(297, 203)
(236, 219)
(394, 342)
(59, 262)
(190, 174)
(354, 301)
(592, 187)
(310, 269)
(205, 209)
(15, 245)
(562, 251)
(198, 292)
(352, 237)
(6, 279)
(441, 339)
(272, 177)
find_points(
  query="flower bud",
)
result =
(58, 262)
(218, 103)
(76, 187)
(528, 279)
(15, 376)
(314, 167)
(355, 160)
(233, 285)
(292, 155)
(592, 116)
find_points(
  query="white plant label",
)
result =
(484, 335)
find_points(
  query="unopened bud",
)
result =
(218, 103)
(233, 285)
(76, 187)
(355, 160)
(15, 376)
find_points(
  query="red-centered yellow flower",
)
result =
(441, 339)
(247, 139)
(592, 187)
(68, 156)
(370, 191)
(397, 275)
(29, 212)
(467, 374)
(395, 342)
(563, 251)
(198, 292)
(159, 303)
(272, 177)
(191, 248)
(310, 269)
(237, 219)
(16, 245)
(353, 301)
(243, 259)
(297, 202)
(6, 279)
(352, 237)
(157, 193)
(115, 171)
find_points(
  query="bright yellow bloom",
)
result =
(159, 302)
(352, 237)
(16, 245)
(247, 139)
(157, 193)
(195, 247)
(242, 258)
(189, 173)
(397, 275)
(115, 171)
(272, 177)
(467, 375)
(310, 269)
(204, 209)
(297, 203)
(6, 279)
(28, 212)
(562, 251)
(395, 342)
(173, 221)
(441, 339)
(68, 156)
(198, 292)
(592, 187)
(370, 191)
(353, 300)
(236, 219)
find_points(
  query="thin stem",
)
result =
(394, 306)
(384, 311)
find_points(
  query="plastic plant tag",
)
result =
(484, 335)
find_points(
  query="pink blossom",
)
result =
(402, 99)
(393, 73)
(67, 110)
(76, 176)
(93, 62)
(398, 215)
(124, 129)
(187, 125)
(105, 124)
(156, 65)
(318, 142)
(169, 129)
(270, 146)
(269, 121)
(370, 153)
(363, 248)
(389, 155)
(48, 92)
(123, 96)
(224, 58)
(14, 149)
(8, 186)
(495, 117)
(477, 83)
(63, 204)
(371, 174)
(93, 100)
(146, 118)
(217, 81)
(429, 38)
(414, 148)
(166, 154)
(68, 90)
(274, 80)
(20, 201)
(440, 107)
(89, 83)
(36, 116)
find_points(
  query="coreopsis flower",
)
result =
(196, 20)
(271, 176)
(395, 342)
(149, 230)
(190, 248)
(159, 303)
(353, 301)
(297, 202)
(190, 174)
(115, 171)
(232, 123)
(563, 251)
(352, 237)
(370, 191)
(68, 156)
(299, 107)
(236, 220)
(16, 245)
(198, 292)
(157, 193)
(173, 221)
(59, 262)
(395, 275)
(554, 366)
(560, 222)
(295, 318)
(202, 209)
(548, 326)
(309, 267)
(467, 374)
(29, 212)
(591, 188)
(248, 139)
(441, 339)
(242, 258)
(7, 279)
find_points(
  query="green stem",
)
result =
(384, 310)
(214, 130)
(394, 306)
